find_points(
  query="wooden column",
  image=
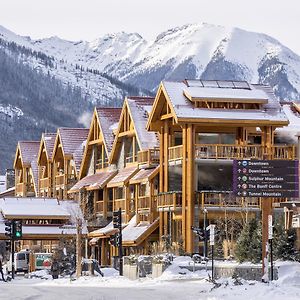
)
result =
(184, 180)
(105, 201)
(161, 177)
(266, 203)
(190, 187)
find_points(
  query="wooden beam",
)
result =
(166, 116)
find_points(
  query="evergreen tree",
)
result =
(248, 246)
(284, 243)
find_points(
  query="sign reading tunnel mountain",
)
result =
(266, 178)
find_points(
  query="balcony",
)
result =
(119, 203)
(45, 184)
(59, 180)
(224, 199)
(28, 189)
(101, 164)
(99, 207)
(170, 201)
(222, 151)
(143, 203)
(148, 157)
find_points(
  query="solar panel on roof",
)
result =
(241, 85)
(194, 83)
(210, 83)
(225, 84)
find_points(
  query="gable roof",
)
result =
(47, 142)
(108, 119)
(28, 153)
(139, 109)
(73, 141)
(178, 96)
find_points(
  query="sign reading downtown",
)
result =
(266, 178)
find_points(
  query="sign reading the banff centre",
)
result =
(266, 178)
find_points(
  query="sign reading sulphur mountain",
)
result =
(266, 178)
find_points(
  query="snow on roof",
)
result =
(72, 140)
(95, 181)
(108, 119)
(139, 108)
(293, 129)
(32, 207)
(29, 151)
(133, 232)
(206, 93)
(143, 174)
(122, 176)
(49, 140)
(105, 231)
(184, 108)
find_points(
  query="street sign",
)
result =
(270, 227)
(266, 178)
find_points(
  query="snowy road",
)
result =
(31, 289)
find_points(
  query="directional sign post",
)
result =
(266, 178)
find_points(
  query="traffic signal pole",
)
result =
(12, 257)
(120, 244)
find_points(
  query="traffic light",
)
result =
(117, 219)
(18, 229)
(113, 240)
(9, 228)
(201, 233)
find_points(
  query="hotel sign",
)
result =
(266, 178)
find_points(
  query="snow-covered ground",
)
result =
(173, 284)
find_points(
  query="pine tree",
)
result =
(284, 243)
(248, 246)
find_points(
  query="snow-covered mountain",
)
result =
(191, 51)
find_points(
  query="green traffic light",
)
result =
(18, 234)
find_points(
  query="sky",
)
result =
(90, 19)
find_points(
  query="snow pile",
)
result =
(289, 274)
(43, 274)
(177, 271)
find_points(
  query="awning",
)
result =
(123, 177)
(133, 234)
(144, 175)
(93, 241)
(93, 182)
(104, 232)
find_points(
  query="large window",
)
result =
(216, 138)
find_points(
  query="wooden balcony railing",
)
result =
(222, 151)
(59, 179)
(283, 152)
(19, 188)
(45, 183)
(170, 199)
(175, 152)
(204, 151)
(223, 199)
(143, 202)
(149, 157)
(100, 164)
(119, 203)
(99, 206)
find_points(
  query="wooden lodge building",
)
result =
(26, 169)
(163, 161)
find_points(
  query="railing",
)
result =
(150, 156)
(227, 151)
(59, 179)
(44, 183)
(119, 203)
(143, 202)
(170, 199)
(19, 188)
(224, 199)
(283, 152)
(100, 164)
(175, 152)
(99, 206)
(205, 151)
